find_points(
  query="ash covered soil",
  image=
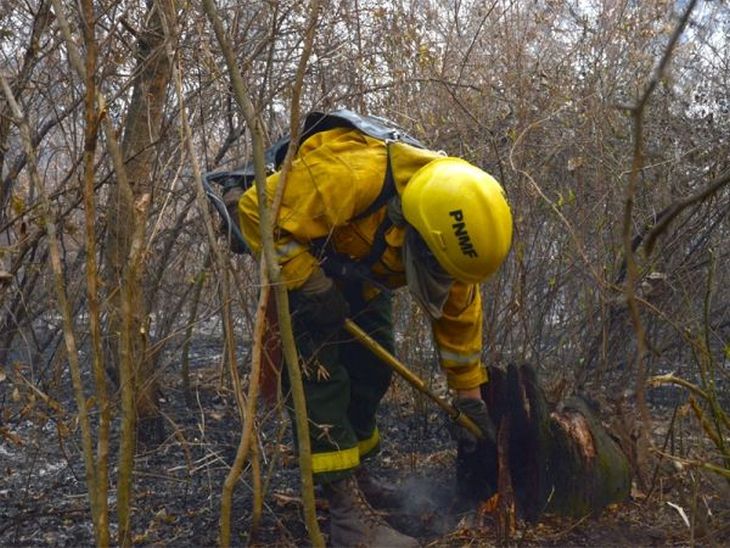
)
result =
(43, 497)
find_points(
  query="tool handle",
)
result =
(411, 378)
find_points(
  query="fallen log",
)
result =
(561, 458)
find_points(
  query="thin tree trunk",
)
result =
(273, 275)
(127, 213)
(248, 415)
(91, 128)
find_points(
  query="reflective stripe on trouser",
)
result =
(369, 446)
(345, 459)
(343, 385)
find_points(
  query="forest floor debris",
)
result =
(177, 486)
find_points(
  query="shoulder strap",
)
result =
(387, 191)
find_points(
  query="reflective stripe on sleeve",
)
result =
(460, 359)
(289, 249)
(335, 461)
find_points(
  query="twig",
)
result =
(652, 484)
(666, 57)
(671, 378)
(570, 529)
(680, 205)
(725, 472)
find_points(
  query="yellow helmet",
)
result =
(462, 214)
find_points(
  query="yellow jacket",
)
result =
(335, 176)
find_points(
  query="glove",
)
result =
(476, 410)
(319, 306)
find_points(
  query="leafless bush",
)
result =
(538, 93)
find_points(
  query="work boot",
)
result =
(353, 522)
(379, 494)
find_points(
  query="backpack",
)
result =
(315, 122)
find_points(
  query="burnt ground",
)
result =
(43, 499)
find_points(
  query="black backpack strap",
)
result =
(340, 266)
(387, 191)
(379, 243)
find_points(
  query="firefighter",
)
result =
(446, 228)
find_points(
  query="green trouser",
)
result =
(343, 385)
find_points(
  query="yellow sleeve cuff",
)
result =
(296, 270)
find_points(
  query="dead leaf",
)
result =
(283, 499)
(490, 506)
(681, 512)
(574, 163)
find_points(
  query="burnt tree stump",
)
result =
(561, 458)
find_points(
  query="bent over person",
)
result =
(359, 216)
